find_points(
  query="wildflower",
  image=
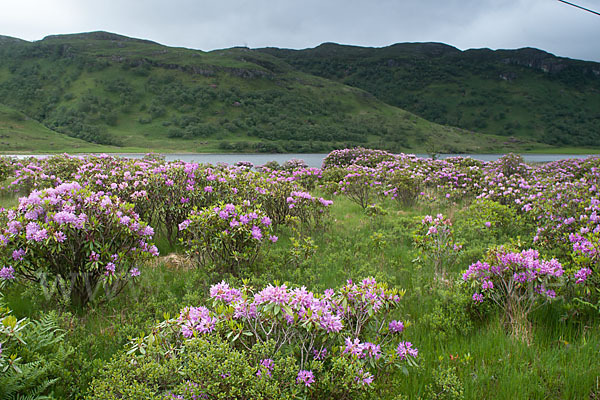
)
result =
(354, 347)
(7, 273)
(396, 326)
(404, 349)
(64, 217)
(305, 377)
(267, 366)
(134, 272)
(256, 233)
(182, 226)
(222, 291)
(364, 378)
(266, 221)
(60, 236)
(110, 268)
(582, 275)
(320, 354)
(17, 255)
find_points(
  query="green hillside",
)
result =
(21, 134)
(129, 93)
(525, 93)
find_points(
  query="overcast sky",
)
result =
(207, 25)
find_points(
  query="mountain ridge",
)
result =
(525, 92)
(111, 89)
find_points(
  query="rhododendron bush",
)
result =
(73, 239)
(436, 243)
(515, 281)
(335, 343)
(228, 235)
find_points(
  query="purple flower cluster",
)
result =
(227, 234)
(305, 378)
(196, 320)
(581, 275)
(396, 326)
(265, 367)
(514, 279)
(405, 349)
(361, 350)
(7, 273)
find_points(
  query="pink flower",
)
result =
(305, 377)
(404, 349)
(7, 273)
(396, 326)
(478, 297)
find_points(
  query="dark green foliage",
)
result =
(207, 366)
(125, 92)
(446, 385)
(501, 92)
(451, 316)
(42, 358)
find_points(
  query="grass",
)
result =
(561, 363)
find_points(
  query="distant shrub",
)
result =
(361, 185)
(436, 244)
(358, 155)
(403, 186)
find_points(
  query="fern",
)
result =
(43, 357)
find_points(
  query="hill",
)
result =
(21, 134)
(525, 93)
(126, 93)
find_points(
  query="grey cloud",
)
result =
(546, 24)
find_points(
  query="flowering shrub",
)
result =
(357, 155)
(515, 282)
(75, 239)
(403, 186)
(174, 191)
(585, 273)
(360, 185)
(335, 343)
(282, 198)
(435, 240)
(228, 235)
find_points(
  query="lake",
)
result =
(316, 159)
